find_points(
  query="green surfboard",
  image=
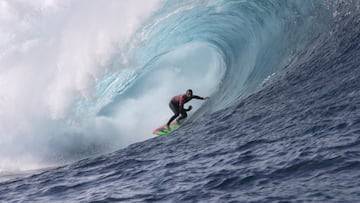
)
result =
(164, 131)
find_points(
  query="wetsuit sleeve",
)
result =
(197, 97)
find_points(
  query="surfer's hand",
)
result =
(205, 98)
(189, 108)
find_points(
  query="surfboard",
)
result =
(164, 131)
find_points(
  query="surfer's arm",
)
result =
(198, 97)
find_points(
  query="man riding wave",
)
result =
(176, 104)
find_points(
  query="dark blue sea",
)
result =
(84, 84)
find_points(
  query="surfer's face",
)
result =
(189, 93)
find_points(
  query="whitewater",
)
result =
(84, 83)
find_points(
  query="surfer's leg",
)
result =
(183, 116)
(175, 109)
(171, 119)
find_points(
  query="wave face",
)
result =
(281, 124)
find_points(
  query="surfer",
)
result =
(176, 104)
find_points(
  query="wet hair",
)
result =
(189, 90)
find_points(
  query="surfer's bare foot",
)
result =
(167, 127)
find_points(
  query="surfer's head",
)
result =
(189, 92)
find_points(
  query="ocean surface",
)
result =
(84, 83)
